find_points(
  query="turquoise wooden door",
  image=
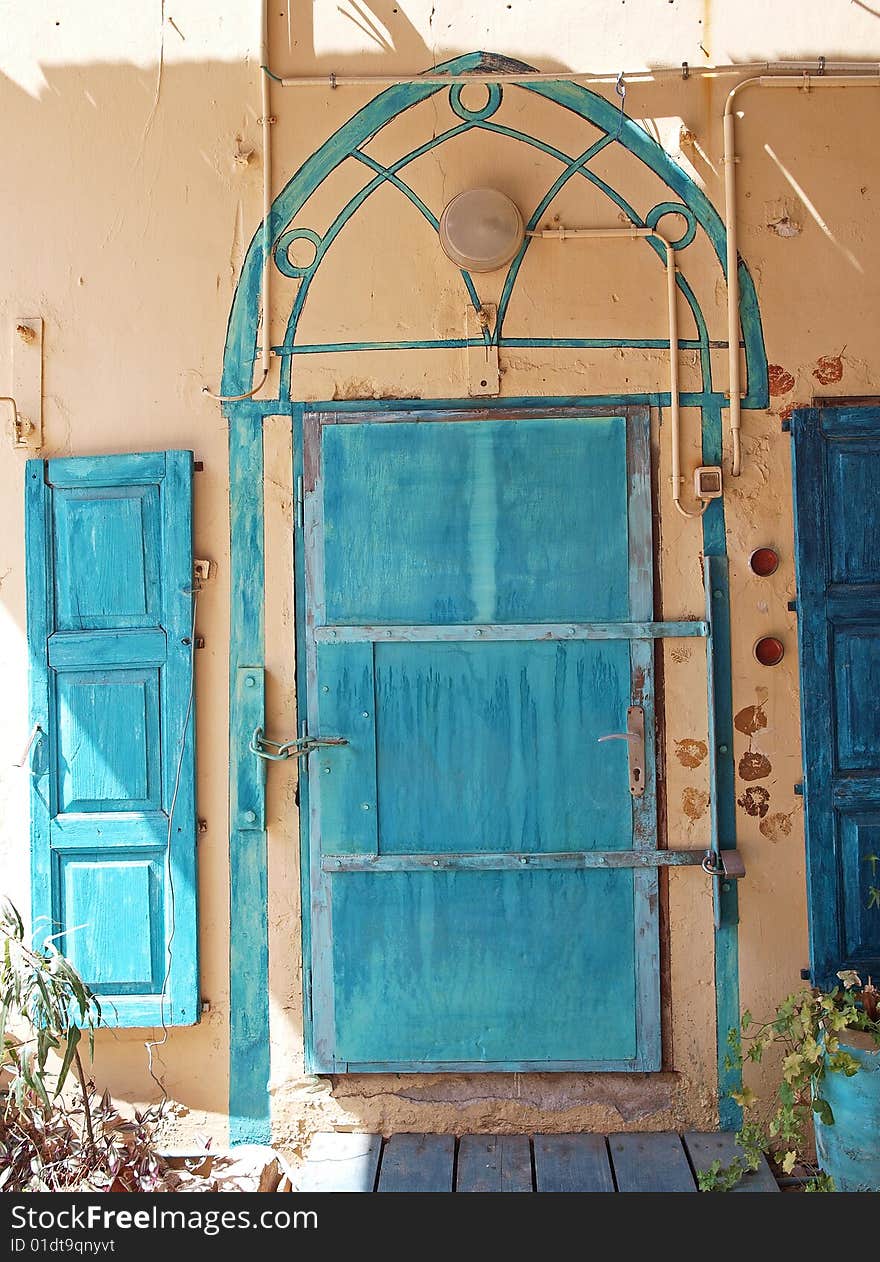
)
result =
(472, 585)
(113, 803)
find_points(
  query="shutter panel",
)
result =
(110, 614)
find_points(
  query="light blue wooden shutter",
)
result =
(110, 622)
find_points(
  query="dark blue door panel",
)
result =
(837, 531)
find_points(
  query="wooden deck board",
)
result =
(341, 1163)
(625, 1162)
(572, 1163)
(704, 1148)
(417, 1163)
(650, 1162)
(494, 1163)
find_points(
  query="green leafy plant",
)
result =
(43, 990)
(48, 1141)
(806, 1029)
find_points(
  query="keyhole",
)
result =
(637, 775)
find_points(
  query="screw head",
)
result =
(722, 749)
(325, 688)
(365, 806)
(435, 863)
(326, 771)
(249, 681)
(365, 714)
(250, 817)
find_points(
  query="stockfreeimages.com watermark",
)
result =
(210, 1222)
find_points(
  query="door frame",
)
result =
(646, 831)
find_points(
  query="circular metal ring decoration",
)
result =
(493, 100)
(283, 261)
(481, 230)
(662, 209)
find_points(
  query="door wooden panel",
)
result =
(471, 590)
(836, 452)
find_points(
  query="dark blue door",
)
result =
(837, 530)
(475, 588)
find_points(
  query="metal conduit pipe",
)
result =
(683, 71)
(806, 81)
(634, 234)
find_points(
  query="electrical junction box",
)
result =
(707, 482)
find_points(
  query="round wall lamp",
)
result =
(764, 562)
(481, 230)
(769, 650)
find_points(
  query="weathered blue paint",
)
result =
(460, 343)
(836, 456)
(247, 801)
(484, 631)
(242, 333)
(109, 574)
(725, 894)
(646, 884)
(423, 408)
(650, 1162)
(512, 861)
(300, 658)
(849, 1150)
(485, 510)
(248, 872)
(494, 1163)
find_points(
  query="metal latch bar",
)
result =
(488, 861)
(279, 751)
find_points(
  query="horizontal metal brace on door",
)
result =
(279, 751)
(508, 862)
(516, 631)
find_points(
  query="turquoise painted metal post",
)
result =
(249, 1120)
(727, 1001)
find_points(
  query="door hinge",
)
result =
(307, 983)
(299, 503)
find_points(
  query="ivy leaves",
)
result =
(805, 1034)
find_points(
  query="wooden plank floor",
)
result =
(646, 1162)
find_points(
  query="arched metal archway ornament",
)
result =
(348, 143)
(249, 981)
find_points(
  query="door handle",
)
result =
(635, 738)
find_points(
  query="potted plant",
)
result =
(829, 1042)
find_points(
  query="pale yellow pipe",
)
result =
(805, 81)
(682, 71)
(634, 233)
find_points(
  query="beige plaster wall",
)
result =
(132, 164)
